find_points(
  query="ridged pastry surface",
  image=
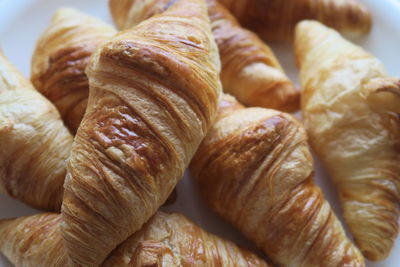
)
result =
(275, 20)
(255, 170)
(350, 115)
(154, 92)
(61, 56)
(34, 142)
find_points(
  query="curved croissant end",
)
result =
(60, 59)
(383, 94)
(166, 240)
(345, 91)
(276, 20)
(33, 241)
(173, 240)
(33, 140)
(250, 70)
(154, 92)
(255, 170)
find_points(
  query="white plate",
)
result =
(22, 21)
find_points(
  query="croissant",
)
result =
(250, 71)
(33, 140)
(173, 240)
(255, 170)
(60, 58)
(33, 241)
(349, 106)
(154, 93)
(166, 240)
(275, 20)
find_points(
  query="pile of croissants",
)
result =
(108, 124)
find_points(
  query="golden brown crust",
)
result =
(173, 240)
(34, 142)
(255, 170)
(60, 59)
(250, 70)
(153, 95)
(33, 241)
(276, 19)
(165, 240)
(348, 106)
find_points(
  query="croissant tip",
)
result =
(306, 25)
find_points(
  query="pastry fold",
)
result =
(350, 108)
(154, 93)
(275, 20)
(165, 240)
(60, 59)
(255, 170)
(173, 240)
(250, 70)
(34, 143)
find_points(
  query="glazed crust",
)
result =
(60, 59)
(34, 142)
(349, 106)
(250, 71)
(154, 91)
(255, 170)
(166, 240)
(276, 19)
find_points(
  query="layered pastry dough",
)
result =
(255, 170)
(173, 240)
(33, 241)
(349, 106)
(250, 70)
(60, 58)
(34, 143)
(166, 240)
(276, 19)
(154, 93)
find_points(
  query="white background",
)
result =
(22, 21)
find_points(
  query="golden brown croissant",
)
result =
(60, 58)
(173, 240)
(255, 170)
(349, 107)
(34, 143)
(166, 240)
(154, 93)
(250, 70)
(276, 19)
(33, 241)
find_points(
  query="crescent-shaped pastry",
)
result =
(154, 93)
(276, 19)
(255, 170)
(351, 112)
(34, 143)
(60, 59)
